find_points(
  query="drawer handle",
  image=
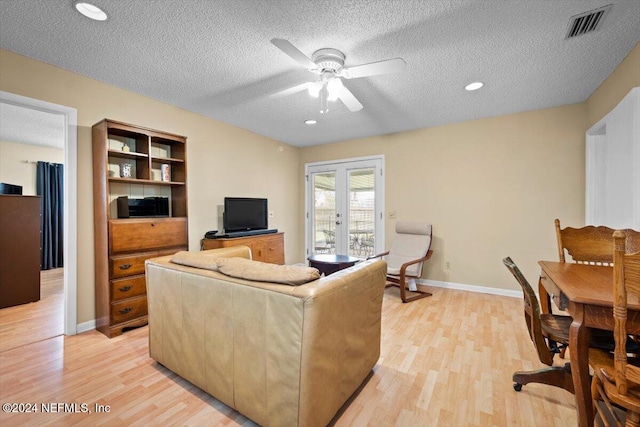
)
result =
(125, 310)
(124, 288)
(271, 249)
(125, 266)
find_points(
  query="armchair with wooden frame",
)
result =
(409, 250)
(615, 380)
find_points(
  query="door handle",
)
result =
(338, 222)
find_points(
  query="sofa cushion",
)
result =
(196, 259)
(263, 272)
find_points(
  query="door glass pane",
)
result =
(362, 212)
(324, 212)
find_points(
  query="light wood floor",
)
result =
(28, 323)
(446, 361)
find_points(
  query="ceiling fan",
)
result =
(328, 65)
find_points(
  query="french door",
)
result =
(344, 207)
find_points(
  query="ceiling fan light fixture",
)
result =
(314, 89)
(474, 86)
(324, 99)
(334, 87)
(328, 64)
(91, 11)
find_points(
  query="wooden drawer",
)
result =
(128, 309)
(226, 243)
(127, 288)
(136, 235)
(270, 250)
(130, 265)
(264, 247)
(557, 297)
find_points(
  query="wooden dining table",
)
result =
(586, 293)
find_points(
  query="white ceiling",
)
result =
(215, 57)
(28, 126)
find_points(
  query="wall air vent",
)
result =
(587, 22)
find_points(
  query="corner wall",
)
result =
(615, 87)
(491, 188)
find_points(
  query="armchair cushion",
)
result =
(412, 242)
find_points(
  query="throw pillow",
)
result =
(196, 259)
(242, 268)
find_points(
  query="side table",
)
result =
(330, 263)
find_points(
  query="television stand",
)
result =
(265, 247)
(234, 234)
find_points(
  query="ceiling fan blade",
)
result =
(382, 67)
(349, 100)
(293, 52)
(292, 90)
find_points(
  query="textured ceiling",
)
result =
(29, 126)
(215, 57)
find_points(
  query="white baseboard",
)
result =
(85, 326)
(471, 288)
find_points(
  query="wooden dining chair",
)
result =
(615, 380)
(549, 333)
(590, 244)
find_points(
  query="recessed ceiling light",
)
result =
(91, 11)
(474, 86)
(310, 122)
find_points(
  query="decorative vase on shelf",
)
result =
(125, 170)
(125, 148)
(166, 172)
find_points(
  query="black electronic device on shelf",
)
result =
(10, 188)
(145, 207)
(244, 214)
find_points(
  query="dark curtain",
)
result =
(50, 187)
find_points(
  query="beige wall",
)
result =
(614, 88)
(17, 163)
(491, 188)
(222, 160)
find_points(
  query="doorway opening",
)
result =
(69, 117)
(344, 207)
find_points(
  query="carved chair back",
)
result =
(590, 244)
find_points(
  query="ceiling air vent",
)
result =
(587, 22)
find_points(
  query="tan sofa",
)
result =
(281, 355)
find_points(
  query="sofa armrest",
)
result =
(342, 326)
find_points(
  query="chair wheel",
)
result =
(517, 387)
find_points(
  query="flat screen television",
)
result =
(244, 214)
